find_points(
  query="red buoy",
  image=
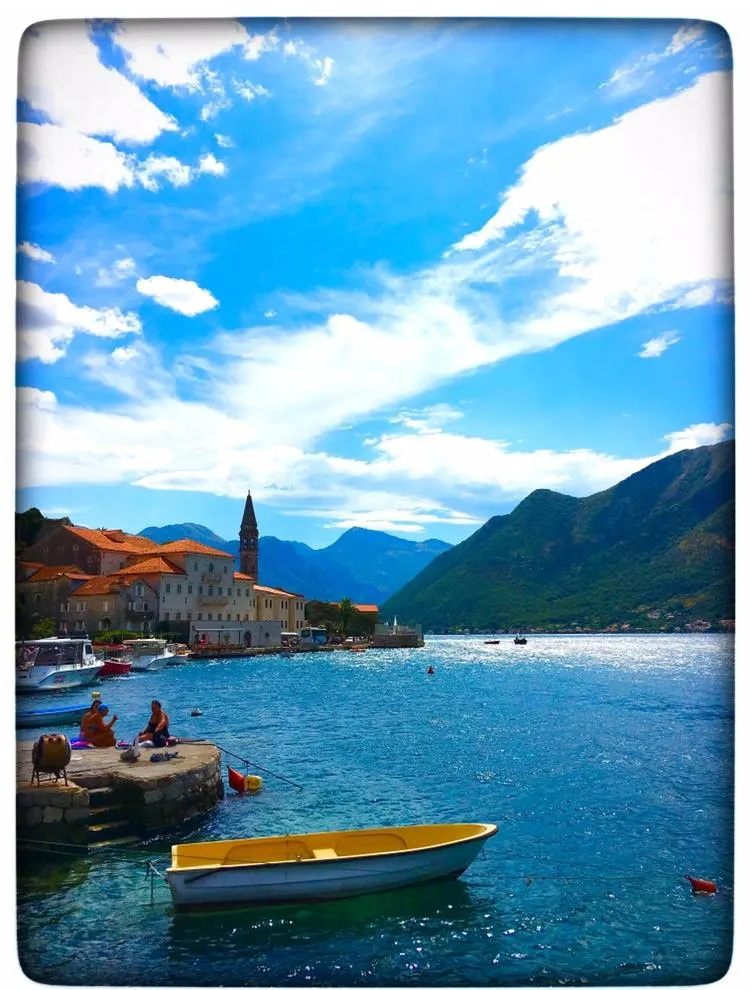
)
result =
(430, 670)
(236, 780)
(701, 886)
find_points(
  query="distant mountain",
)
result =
(364, 565)
(655, 550)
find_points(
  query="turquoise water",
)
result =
(606, 762)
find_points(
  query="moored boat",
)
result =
(317, 865)
(148, 654)
(55, 664)
(71, 715)
(115, 667)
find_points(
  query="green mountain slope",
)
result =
(661, 541)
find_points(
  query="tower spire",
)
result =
(249, 541)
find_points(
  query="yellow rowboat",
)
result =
(318, 865)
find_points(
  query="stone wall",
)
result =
(53, 813)
(172, 798)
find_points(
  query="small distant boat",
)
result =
(520, 640)
(317, 865)
(148, 654)
(491, 642)
(71, 715)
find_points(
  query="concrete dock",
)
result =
(108, 801)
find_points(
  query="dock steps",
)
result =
(99, 796)
(106, 813)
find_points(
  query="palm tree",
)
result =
(346, 612)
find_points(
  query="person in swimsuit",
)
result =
(157, 730)
(94, 729)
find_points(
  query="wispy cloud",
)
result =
(36, 253)
(122, 269)
(48, 321)
(633, 76)
(655, 347)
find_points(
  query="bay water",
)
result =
(605, 761)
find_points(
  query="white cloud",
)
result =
(62, 157)
(180, 294)
(158, 167)
(428, 420)
(62, 76)
(270, 313)
(36, 253)
(634, 76)
(259, 44)
(174, 53)
(48, 321)
(698, 435)
(633, 216)
(224, 141)
(249, 91)
(325, 68)
(655, 347)
(119, 270)
(208, 163)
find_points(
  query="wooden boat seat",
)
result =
(325, 853)
(376, 842)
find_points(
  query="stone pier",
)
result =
(107, 801)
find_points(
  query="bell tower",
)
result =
(249, 541)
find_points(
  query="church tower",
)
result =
(249, 541)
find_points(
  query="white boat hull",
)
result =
(56, 679)
(176, 660)
(150, 664)
(317, 879)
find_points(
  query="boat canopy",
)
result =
(50, 653)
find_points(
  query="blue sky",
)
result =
(394, 275)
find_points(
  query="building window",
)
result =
(179, 589)
(210, 568)
(106, 606)
(144, 607)
(89, 560)
(168, 588)
(37, 598)
(221, 592)
(247, 592)
(189, 616)
(64, 606)
(200, 617)
(225, 570)
(200, 589)
(177, 616)
(166, 616)
(238, 618)
(81, 607)
(139, 591)
(210, 617)
(190, 589)
(247, 618)
(195, 567)
(80, 626)
(75, 548)
(210, 589)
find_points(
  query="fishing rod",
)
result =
(257, 766)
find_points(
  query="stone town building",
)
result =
(93, 551)
(44, 590)
(110, 601)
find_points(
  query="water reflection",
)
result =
(444, 903)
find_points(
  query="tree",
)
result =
(43, 628)
(346, 613)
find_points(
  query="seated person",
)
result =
(157, 730)
(94, 729)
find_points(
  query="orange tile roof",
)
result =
(103, 584)
(276, 591)
(190, 546)
(30, 565)
(152, 565)
(114, 540)
(238, 576)
(51, 572)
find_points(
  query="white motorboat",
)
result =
(318, 865)
(148, 654)
(55, 664)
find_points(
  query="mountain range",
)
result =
(655, 550)
(362, 564)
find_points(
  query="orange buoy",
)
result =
(236, 780)
(701, 886)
